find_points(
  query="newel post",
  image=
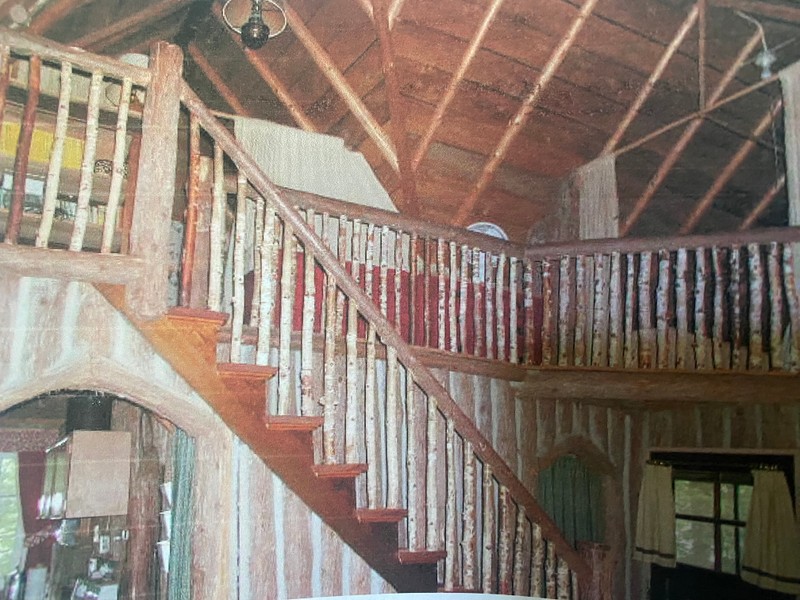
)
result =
(155, 182)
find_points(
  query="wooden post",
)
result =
(156, 182)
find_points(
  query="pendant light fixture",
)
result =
(255, 32)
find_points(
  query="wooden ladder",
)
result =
(187, 339)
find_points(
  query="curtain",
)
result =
(772, 542)
(573, 497)
(180, 555)
(655, 518)
(598, 204)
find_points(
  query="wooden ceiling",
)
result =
(473, 110)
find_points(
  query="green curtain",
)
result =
(180, 555)
(573, 497)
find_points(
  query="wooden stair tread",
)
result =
(292, 423)
(346, 471)
(241, 370)
(420, 557)
(380, 515)
(201, 315)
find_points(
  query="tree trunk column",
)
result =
(155, 183)
(601, 583)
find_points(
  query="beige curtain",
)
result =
(772, 542)
(598, 202)
(655, 519)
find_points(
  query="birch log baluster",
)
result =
(499, 290)
(398, 281)
(217, 233)
(370, 394)
(600, 323)
(87, 164)
(581, 310)
(416, 507)
(384, 271)
(488, 532)
(412, 289)
(56, 153)
(237, 319)
(441, 295)
(738, 295)
(776, 307)
(451, 299)
(683, 359)
(489, 282)
(477, 297)
(426, 300)
(267, 292)
(721, 350)
(521, 559)
(432, 533)
(393, 433)
(664, 347)
(504, 552)
(23, 152)
(469, 544)
(255, 305)
(647, 337)
(539, 551)
(530, 326)
(551, 575)
(616, 318)
(451, 522)
(702, 340)
(341, 249)
(757, 280)
(631, 349)
(5, 77)
(563, 579)
(353, 428)
(462, 299)
(549, 314)
(793, 304)
(566, 312)
(118, 168)
(307, 328)
(513, 317)
(285, 327)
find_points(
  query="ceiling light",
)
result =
(255, 32)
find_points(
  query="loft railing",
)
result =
(329, 276)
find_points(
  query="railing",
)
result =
(331, 277)
(727, 301)
(71, 125)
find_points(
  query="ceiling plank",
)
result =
(103, 38)
(524, 112)
(337, 80)
(393, 11)
(216, 81)
(764, 203)
(647, 88)
(269, 77)
(397, 111)
(781, 12)
(677, 149)
(452, 87)
(53, 13)
(644, 388)
(730, 170)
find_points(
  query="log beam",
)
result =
(325, 63)
(524, 112)
(639, 388)
(216, 80)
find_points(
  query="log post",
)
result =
(156, 181)
(601, 584)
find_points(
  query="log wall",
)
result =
(64, 335)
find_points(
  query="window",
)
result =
(712, 502)
(11, 531)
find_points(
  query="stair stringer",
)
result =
(186, 339)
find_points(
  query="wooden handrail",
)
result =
(388, 334)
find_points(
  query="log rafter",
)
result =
(782, 12)
(329, 69)
(764, 203)
(524, 112)
(52, 14)
(397, 111)
(688, 134)
(269, 77)
(392, 12)
(216, 80)
(649, 85)
(455, 81)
